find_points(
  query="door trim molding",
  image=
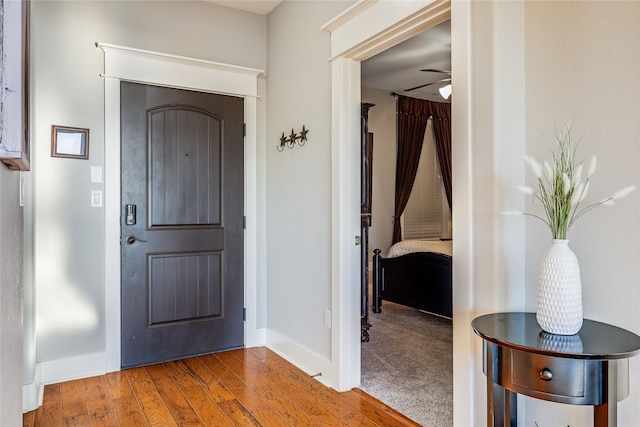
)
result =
(147, 67)
(356, 36)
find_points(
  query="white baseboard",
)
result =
(88, 365)
(32, 393)
(31, 397)
(57, 371)
(258, 339)
(300, 356)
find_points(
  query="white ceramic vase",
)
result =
(560, 291)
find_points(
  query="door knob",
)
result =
(132, 239)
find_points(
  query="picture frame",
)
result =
(69, 142)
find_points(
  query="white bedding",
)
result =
(409, 246)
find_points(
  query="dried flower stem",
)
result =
(560, 188)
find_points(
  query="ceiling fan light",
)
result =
(445, 91)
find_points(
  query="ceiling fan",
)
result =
(445, 90)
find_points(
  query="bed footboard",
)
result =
(421, 280)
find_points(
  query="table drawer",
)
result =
(547, 374)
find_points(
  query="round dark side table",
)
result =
(582, 369)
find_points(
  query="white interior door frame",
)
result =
(141, 66)
(360, 32)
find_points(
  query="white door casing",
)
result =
(129, 64)
(360, 32)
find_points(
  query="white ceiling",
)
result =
(262, 7)
(397, 68)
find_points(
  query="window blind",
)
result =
(422, 218)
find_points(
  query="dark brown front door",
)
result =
(182, 223)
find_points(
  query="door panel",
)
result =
(185, 154)
(184, 287)
(182, 260)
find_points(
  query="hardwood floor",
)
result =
(245, 387)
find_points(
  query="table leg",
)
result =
(606, 414)
(502, 405)
(510, 409)
(489, 361)
(505, 407)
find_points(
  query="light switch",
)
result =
(96, 198)
(96, 174)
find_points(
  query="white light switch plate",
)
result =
(96, 174)
(96, 198)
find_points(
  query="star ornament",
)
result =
(283, 142)
(293, 137)
(290, 140)
(303, 134)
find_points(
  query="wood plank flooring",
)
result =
(245, 387)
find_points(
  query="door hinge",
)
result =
(244, 222)
(244, 314)
(244, 129)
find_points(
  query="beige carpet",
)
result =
(408, 364)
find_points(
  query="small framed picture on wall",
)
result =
(69, 142)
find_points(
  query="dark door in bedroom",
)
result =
(182, 223)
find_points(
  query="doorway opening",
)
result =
(408, 361)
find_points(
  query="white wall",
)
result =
(11, 235)
(506, 45)
(492, 111)
(11, 228)
(487, 134)
(382, 122)
(585, 68)
(299, 181)
(69, 235)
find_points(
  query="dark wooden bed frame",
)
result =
(420, 280)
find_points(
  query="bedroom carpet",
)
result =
(408, 364)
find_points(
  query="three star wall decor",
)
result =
(293, 138)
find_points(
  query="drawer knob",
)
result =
(546, 374)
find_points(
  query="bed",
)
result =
(415, 273)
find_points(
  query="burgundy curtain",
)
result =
(413, 115)
(441, 116)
